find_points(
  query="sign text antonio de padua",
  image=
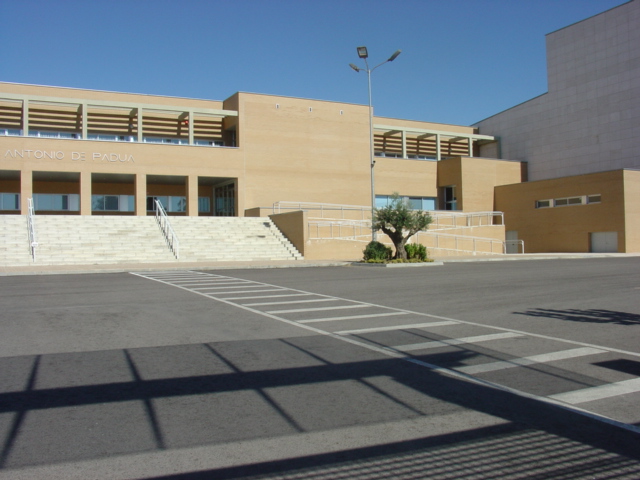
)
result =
(75, 156)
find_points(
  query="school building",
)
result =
(559, 173)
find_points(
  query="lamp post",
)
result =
(362, 53)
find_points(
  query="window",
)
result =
(563, 202)
(415, 203)
(449, 198)
(204, 204)
(170, 204)
(543, 203)
(594, 198)
(113, 203)
(56, 202)
(9, 201)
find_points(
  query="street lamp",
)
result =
(362, 53)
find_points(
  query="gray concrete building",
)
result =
(589, 119)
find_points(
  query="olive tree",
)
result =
(399, 222)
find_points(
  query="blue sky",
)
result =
(461, 61)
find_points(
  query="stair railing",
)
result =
(167, 231)
(31, 227)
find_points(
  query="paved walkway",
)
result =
(36, 269)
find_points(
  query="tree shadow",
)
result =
(590, 315)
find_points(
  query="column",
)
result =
(85, 193)
(404, 144)
(26, 190)
(141, 194)
(438, 154)
(192, 195)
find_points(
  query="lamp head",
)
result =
(394, 56)
(354, 67)
(362, 52)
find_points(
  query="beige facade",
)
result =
(570, 214)
(80, 152)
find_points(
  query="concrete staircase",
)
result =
(89, 240)
(14, 247)
(216, 239)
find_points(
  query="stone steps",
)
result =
(111, 240)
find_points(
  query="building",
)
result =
(562, 166)
(579, 140)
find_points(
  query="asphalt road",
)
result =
(469, 370)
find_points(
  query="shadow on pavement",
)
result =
(73, 406)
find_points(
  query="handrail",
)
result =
(169, 235)
(277, 207)
(31, 227)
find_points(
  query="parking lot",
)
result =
(357, 370)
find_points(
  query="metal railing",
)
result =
(358, 210)
(448, 219)
(345, 229)
(31, 227)
(169, 235)
(459, 243)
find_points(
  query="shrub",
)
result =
(416, 251)
(377, 252)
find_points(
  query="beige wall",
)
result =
(632, 210)
(475, 178)
(567, 228)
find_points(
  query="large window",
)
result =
(54, 202)
(113, 203)
(170, 203)
(9, 201)
(415, 203)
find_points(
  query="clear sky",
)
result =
(461, 61)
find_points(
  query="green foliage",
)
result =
(399, 222)
(416, 251)
(376, 252)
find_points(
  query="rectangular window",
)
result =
(594, 198)
(55, 202)
(9, 201)
(563, 202)
(204, 204)
(170, 203)
(543, 203)
(415, 203)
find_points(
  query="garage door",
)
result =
(604, 242)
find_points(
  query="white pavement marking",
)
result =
(319, 309)
(395, 327)
(213, 294)
(270, 296)
(288, 302)
(598, 393)
(402, 356)
(455, 341)
(532, 360)
(351, 317)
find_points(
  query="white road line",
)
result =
(244, 285)
(351, 317)
(396, 327)
(270, 296)
(212, 294)
(319, 309)
(531, 360)
(455, 341)
(445, 371)
(287, 302)
(598, 393)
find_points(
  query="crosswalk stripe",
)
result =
(455, 341)
(598, 393)
(341, 307)
(396, 327)
(531, 360)
(352, 317)
(287, 302)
